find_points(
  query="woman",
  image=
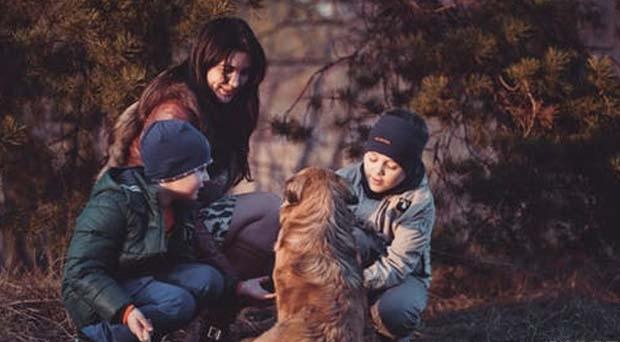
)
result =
(398, 212)
(217, 90)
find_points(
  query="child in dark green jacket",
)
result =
(131, 272)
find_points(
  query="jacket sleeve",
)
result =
(93, 256)
(412, 234)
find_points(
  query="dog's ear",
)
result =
(293, 189)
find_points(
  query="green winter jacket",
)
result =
(119, 235)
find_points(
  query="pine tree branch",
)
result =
(471, 150)
(614, 61)
(506, 85)
(438, 164)
(294, 62)
(444, 8)
(313, 77)
(417, 8)
(535, 109)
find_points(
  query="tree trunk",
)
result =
(14, 252)
(2, 258)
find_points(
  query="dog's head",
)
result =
(315, 213)
(317, 182)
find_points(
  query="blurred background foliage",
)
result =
(524, 156)
(525, 148)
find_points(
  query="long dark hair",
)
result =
(230, 125)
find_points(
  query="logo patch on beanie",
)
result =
(382, 140)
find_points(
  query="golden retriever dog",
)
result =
(317, 275)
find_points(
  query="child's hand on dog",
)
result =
(254, 289)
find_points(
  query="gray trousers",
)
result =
(395, 312)
(169, 300)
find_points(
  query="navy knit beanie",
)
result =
(171, 149)
(400, 135)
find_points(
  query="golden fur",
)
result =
(317, 276)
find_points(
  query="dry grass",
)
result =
(474, 302)
(30, 310)
(468, 303)
(559, 317)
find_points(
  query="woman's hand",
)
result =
(139, 325)
(253, 288)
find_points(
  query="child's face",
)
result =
(187, 188)
(382, 173)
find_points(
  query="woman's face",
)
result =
(227, 77)
(382, 173)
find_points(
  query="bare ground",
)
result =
(466, 304)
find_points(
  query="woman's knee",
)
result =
(256, 206)
(257, 216)
(253, 232)
(268, 199)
